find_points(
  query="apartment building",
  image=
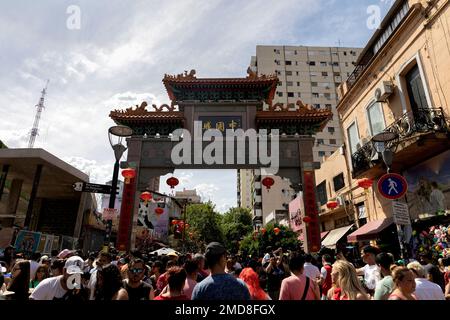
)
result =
(312, 75)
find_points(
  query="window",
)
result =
(288, 63)
(328, 106)
(335, 64)
(315, 95)
(332, 141)
(280, 94)
(353, 53)
(295, 51)
(277, 62)
(322, 193)
(277, 51)
(289, 83)
(297, 73)
(338, 182)
(313, 84)
(296, 63)
(278, 72)
(325, 74)
(345, 53)
(299, 95)
(331, 129)
(416, 91)
(342, 222)
(298, 84)
(375, 117)
(317, 106)
(312, 63)
(280, 83)
(323, 64)
(289, 73)
(319, 141)
(327, 95)
(290, 94)
(353, 137)
(346, 64)
(321, 154)
(337, 74)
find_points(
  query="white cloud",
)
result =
(122, 51)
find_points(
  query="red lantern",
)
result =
(174, 222)
(365, 183)
(146, 196)
(268, 182)
(332, 205)
(128, 174)
(172, 182)
(263, 230)
(307, 219)
(159, 210)
(276, 231)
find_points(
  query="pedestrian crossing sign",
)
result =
(392, 186)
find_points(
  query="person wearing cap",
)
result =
(63, 287)
(219, 285)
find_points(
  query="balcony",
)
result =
(419, 135)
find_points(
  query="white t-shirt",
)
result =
(33, 268)
(427, 290)
(48, 289)
(371, 276)
(92, 283)
(311, 271)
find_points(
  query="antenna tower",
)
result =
(40, 106)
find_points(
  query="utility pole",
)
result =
(40, 107)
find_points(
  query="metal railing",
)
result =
(411, 124)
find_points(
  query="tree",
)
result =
(255, 242)
(236, 224)
(204, 224)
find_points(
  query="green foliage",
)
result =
(255, 243)
(236, 224)
(205, 223)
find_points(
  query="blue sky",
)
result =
(121, 52)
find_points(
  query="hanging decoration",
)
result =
(307, 219)
(159, 210)
(128, 174)
(268, 182)
(332, 205)
(146, 197)
(172, 182)
(276, 231)
(366, 184)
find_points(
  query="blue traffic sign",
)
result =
(392, 186)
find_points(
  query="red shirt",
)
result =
(327, 284)
(182, 297)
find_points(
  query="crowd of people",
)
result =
(217, 275)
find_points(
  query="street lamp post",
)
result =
(116, 135)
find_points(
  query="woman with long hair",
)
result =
(347, 285)
(405, 284)
(20, 280)
(176, 279)
(251, 279)
(41, 274)
(109, 284)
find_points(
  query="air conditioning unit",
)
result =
(384, 90)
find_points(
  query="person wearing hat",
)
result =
(63, 287)
(219, 285)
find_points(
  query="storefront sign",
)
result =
(109, 213)
(400, 213)
(296, 213)
(220, 123)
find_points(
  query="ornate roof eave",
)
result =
(189, 80)
(280, 113)
(141, 114)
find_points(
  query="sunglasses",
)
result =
(136, 270)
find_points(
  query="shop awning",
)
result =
(322, 235)
(334, 236)
(370, 230)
